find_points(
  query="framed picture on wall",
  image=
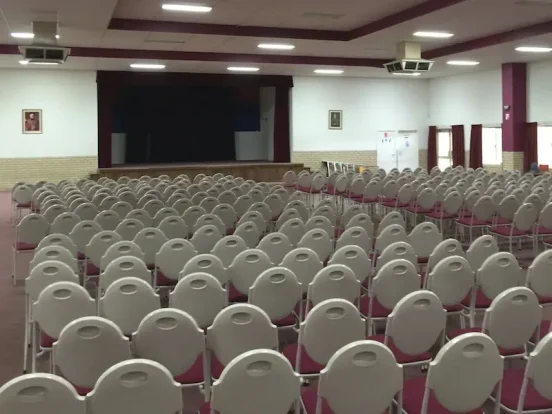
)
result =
(32, 121)
(335, 119)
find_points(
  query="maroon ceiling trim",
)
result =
(491, 40)
(419, 10)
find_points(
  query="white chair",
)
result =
(275, 204)
(397, 250)
(86, 211)
(150, 240)
(142, 216)
(237, 329)
(55, 252)
(191, 215)
(52, 212)
(319, 241)
(389, 235)
(294, 229)
(355, 236)
(162, 214)
(107, 219)
(242, 204)
(174, 228)
(122, 208)
(172, 338)
(323, 223)
(358, 372)
(274, 390)
(249, 232)
(333, 282)
(329, 326)
(40, 393)
(228, 248)
(205, 238)
(120, 249)
(424, 238)
(206, 263)
(446, 248)
(57, 239)
(210, 219)
(129, 228)
(356, 259)
(538, 277)
(140, 386)
(304, 263)
(473, 362)
(228, 216)
(254, 217)
(481, 248)
(180, 204)
(123, 267)
(86, 348)
(276, 246)
(243, 271)
(96, 249)
(29, 232)
(170, 260)
(201, 296)
(285, 216)
(64, 223)
(81, 235)
(392, 218)
(361, 220)
(127, 301)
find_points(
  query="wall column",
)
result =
(514, 118)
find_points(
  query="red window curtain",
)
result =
(281, 144)
(530, 155)
(458, 147)
(476, 146)
(432, 148)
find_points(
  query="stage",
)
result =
(258, 171)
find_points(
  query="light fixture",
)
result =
(242, 69)
(439, 35)
(147, 66)
(276, 46)
(24, 62)
(328, 71)
(407, 73)
(38, 63)
(25, 35)
(191, 8)
(534, 49)
(462, 62)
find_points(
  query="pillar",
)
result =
(514, 110)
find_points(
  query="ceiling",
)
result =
(354, 35)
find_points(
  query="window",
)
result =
(444, 148)
(492, 145)
(544, 144)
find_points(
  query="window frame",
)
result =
(498, 159)
(448, 157)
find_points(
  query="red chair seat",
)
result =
(369, 200)
(440, 215)
(418, 210)
(481, 301)
(453, 308)
(548, 240)
(499, 221)
(388, 200)
(23, 205)
(543, 330)
(423, 260)
(400, 356)
(82, 391)
(378, 311)
(234, 295)
(507, 231)
(231, 231)
(304, 189)
(290, 320)
(194, 375)
(24, 247)
(46, 341)
(511, 388)
(413, 395)
(471, 221)
(503, 351)
(163, 280)
(92, 269)
(544, 300)
(216, 366)
(541, 230)
(309, 398)
(80, 256)
(307, 364)
(338, 233)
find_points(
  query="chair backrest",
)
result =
(120, 249)
(537, 369)
(150, 240)
(86, 211)
(256, 381)
(227, 214)
(349, 213)
(108, 219)
(362, 220)
(98, 245)
(47, 273)
(32, 229)
(141, 386)
(80, 352)
(285, 216)
(513, 317)
(173, 228)
(391, 218)
(321, 222)
(58, 239)
(508, 207)
(424, 238)
(525, 217)
(304, 263)
(228, 248)
(55, 252)
(206, 263)
(129, 228)
(162, 214)
(329, 326)
(394, 281)
(205, 238)
(59, 304)
(397, 250)
(210, 219)
(355, 236)
(391, 234)
(334, 281)
(301, 208)
(418, 309)
(319, 241)
(40, 393)
(276, 291)
(481, 248)
(240, 328)
(276, 246)
(446, 248)
(127, 301)
(475, 363)
(254, 217)
(294, 229)
(451, 280)
(538, 274)
(355, 258)
(498, 273)
(358, 372)
(122, 267)
(64, 223)
(192, 214)
(201, 296)
(246, 267)
(173, 256)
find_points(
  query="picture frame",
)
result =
(31, 121)
(335, 119)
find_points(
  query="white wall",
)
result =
(474, 98)
(68, 100)
(539, 90)
(368, 105)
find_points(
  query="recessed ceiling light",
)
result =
(191, 8)
(276, 46)
(441, 35)
(147, 66)
(407, 73)
(25, 35)
(328, 71)
(242, 69)
(24, 62)
(463, 62)
(534, 49)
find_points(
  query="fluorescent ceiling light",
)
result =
(276, 46)
(441, 35)
(463, 62)
(192, 8)
(242, 69)
(328, 71)
(24, 62)
(534, 49)
(147, 66)
(25, 35)
(43, 63)
(407, 74)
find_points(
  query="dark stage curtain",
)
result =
(432, 148)
(530, 154)
(458, 146)
(476, 146)
(281, 145)
(166, 124)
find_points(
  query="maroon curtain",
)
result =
(432, 148)
(458, 146)
(281, 143)
(476, 146)
(530, 155)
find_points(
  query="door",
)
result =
(386, 149)
(406, 144)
